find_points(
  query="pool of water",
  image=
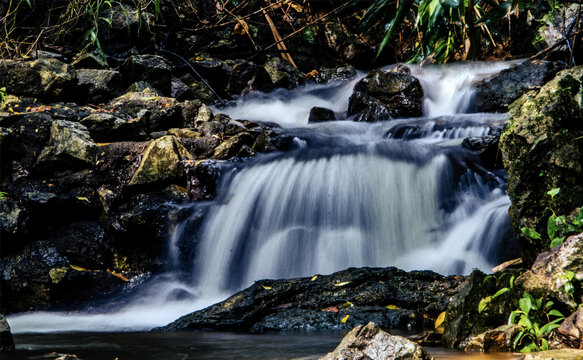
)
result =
(196, 345)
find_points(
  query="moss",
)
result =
(57, 274)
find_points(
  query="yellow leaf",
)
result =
(118, 275)
(342, 283)
(439, 320)
(347, 304)
(344, 319)
(266, 287)
(241, 28)
(314, 278)
(392, 307)
(78, 268)
(83, 198)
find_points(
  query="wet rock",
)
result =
(283, 74)
(162, 162)
(497, 340)
(348, 45)
(319, 114)
(203, 147)
(109, 127)
(10, 216)
(562, 354)
(43, 78)
(497, 93)
(389, 295)
(571, 328)
(90, 60)
(180, 90)
(211, 128)
(70, 146)
(487, 148)
(343, 73)
(370, 342)
(152, 69)
(234, 127)
(100, 85)
(233, 145)
(206, 175)
(463, 321)
(400, 94)
(184, 133)
(6, 340)
(539, 144)
(545, 275)
(247, 77)
(203, 115)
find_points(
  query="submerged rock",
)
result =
(390, 297)
(370, 342)
(6, 340)
(541, 150)
(497, 93)
(399, 94)
(319, 114)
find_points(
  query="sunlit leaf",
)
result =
(266, 287)
(484, 302)
(78, 268)
(314, 278)
(500, 292)
(342, 283)
(344, 319)
(557, 242)
(392, 307)
(440, 319)
(530, 233)
(83, 198)
(553, 192)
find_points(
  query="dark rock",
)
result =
(571, 329)
(108, 127)
(100, 85)
(43, 78)
(348, 45)
(213, 127)
(217, 74)
(247, 77)
(463, 321)
(128, 27)
(184, 133)
(283, 74)
(540, 144)
(162, 162)
(370, 342)
(11, 216)
(152, 69)
(234, 127)
(325, 76)
(6, 340)
(319, 114)
(90, 60)
(400, 94)
(70, 146)
(545, 275)
(201, 148)
(233, 145)
(180, 90)
(487, 148)
(497, 93)
(500, 339)
(322, 302)
(205, 177)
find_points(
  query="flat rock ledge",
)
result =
(392, 298)
(371, 342)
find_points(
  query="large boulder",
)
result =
(571, 328)
(348, 45)
(497, 93)
(6, 340)
(108, 127)
(370, 342)
(42, 78)
(562, 354)
(542, 150)
(70, 146)
(547, 274)
(283, 74)
(162, 162)
(153, 69)
(100, 85)
(399, 95)
(392, 298)
(247, 77)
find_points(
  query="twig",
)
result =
(554, 46)
(279, 41)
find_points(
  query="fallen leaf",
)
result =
(342, 283)
(266, 287)
(118, 275)
(332, 309)
(78, 268)
(83, 198)
(440, 319)
(241, 28)
(314, 278)
(392, 307)
(344, 319)
(347, 304)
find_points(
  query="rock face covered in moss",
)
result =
(542, 149)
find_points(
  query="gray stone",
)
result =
(572, 326)
(108, 127)
(233, 145)
(371, 343)
(69, 145)
(283, 74)
(153, 69)
(10, 215)
(6, 340)
(101, 85)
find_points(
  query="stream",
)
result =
(401, 193)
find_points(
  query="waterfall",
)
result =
(397, 193)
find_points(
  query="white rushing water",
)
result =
(397, 193)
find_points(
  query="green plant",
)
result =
(531, 313)
(568, 286)
(485, 302)
(557, 225)
(3, 95)
(3, 195)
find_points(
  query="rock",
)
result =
(366, 108)
(283, 74)
(233, 145)
(11, 216)
(539, 143)
(152, 69)
(184, 133)
(109, 127)
(204, 179)
(388, 296)
(319, 114)
(487, 148)
(497, 93)
(128, 28)
(162, 162)
(400, 94)
(343, 73)
(43, 78)
(497, 340)
(100, 85)
(370, 342)
(348, 45)
(572, 328)
(180, 90)
(69, 146)
(6, 340)
(544, 277)
(562, 354)
(203, 115)
(247, 77)
(555, 25)
(90, 60)
(234, 127)
(463, 321)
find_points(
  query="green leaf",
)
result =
(484, 303)
(552, 226)
(511, 282)
(556, 242)
(500, 292)
(530, 233)
(403, 9)
(450, 3)
(544, 345)
(569, 288)
(525, 321)
(553, 192)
